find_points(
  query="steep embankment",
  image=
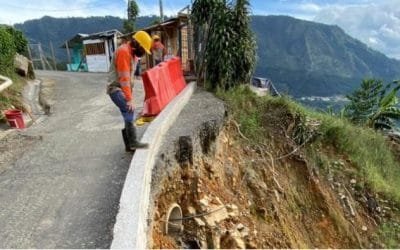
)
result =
(278, 176)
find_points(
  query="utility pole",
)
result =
(52, 53)
(161, 11)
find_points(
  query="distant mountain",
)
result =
(58, 30)
(308, 58)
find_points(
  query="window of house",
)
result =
(95, 49)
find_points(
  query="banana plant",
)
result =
(375, 105)
(388, 110)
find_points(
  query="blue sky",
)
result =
(374, 22)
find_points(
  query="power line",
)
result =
(55, 10)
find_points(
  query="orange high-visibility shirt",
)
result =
(123, 57)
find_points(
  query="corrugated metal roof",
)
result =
(78, 38)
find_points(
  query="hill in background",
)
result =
(308, 58)
(58, 30)
(302, 58)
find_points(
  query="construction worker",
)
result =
(120, 83)
(158, 50)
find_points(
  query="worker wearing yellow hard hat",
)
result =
(158, 50)
(144, 40)
(120, 88)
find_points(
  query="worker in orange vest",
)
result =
(120, 84)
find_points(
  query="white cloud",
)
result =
(309, 7)
(19, 11)
(378, 25)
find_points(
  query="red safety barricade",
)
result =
(177, 79)
(152, 105)
(165, 84)
(161, 84)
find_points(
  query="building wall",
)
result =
(97, 55)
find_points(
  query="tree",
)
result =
(21, 44)
(225, 42)
(133, 12)
(374, 104)
(245, 56)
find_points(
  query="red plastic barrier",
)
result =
(177, 79)
(165, 84)
(161, 84)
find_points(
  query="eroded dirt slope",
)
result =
(235, 194)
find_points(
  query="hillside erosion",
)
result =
(270, 189)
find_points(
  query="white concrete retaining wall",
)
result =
(131, 227)
(7, 82)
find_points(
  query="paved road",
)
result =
(64, 192)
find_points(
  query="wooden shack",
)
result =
(92, 52)
(177, 36)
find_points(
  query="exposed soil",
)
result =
(236, 196)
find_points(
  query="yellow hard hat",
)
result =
(144, 39)
(156, 37)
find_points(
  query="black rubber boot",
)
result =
(132, 137)
(126, 141)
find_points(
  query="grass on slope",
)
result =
(12, 96)
(367, 150)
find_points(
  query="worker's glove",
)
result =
(131, 105)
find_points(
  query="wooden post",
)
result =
(161, 11)
(69, 55)
(52, 53)
(41, 56)
(30, 56)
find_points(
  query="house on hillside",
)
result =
(262, 86)
(91, 52)
(177, 36)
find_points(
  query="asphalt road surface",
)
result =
(64, 191)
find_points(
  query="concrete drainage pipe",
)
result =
(173, 224)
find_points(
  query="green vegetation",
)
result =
(374, 105)
(133, 11)
(20, 42)
(389, 233)
(7, 52)
(262, 119)
(227, 56)
(11, 41)
(12, 97)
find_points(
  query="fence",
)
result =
(40, 57)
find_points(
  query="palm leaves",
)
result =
(225, 44)
(374, 104)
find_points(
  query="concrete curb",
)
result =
(7, 83)
(131, 226)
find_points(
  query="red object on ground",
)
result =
(15, 118)
(161, 84)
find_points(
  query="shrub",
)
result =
(7, 51)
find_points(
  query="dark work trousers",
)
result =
(119, 99)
